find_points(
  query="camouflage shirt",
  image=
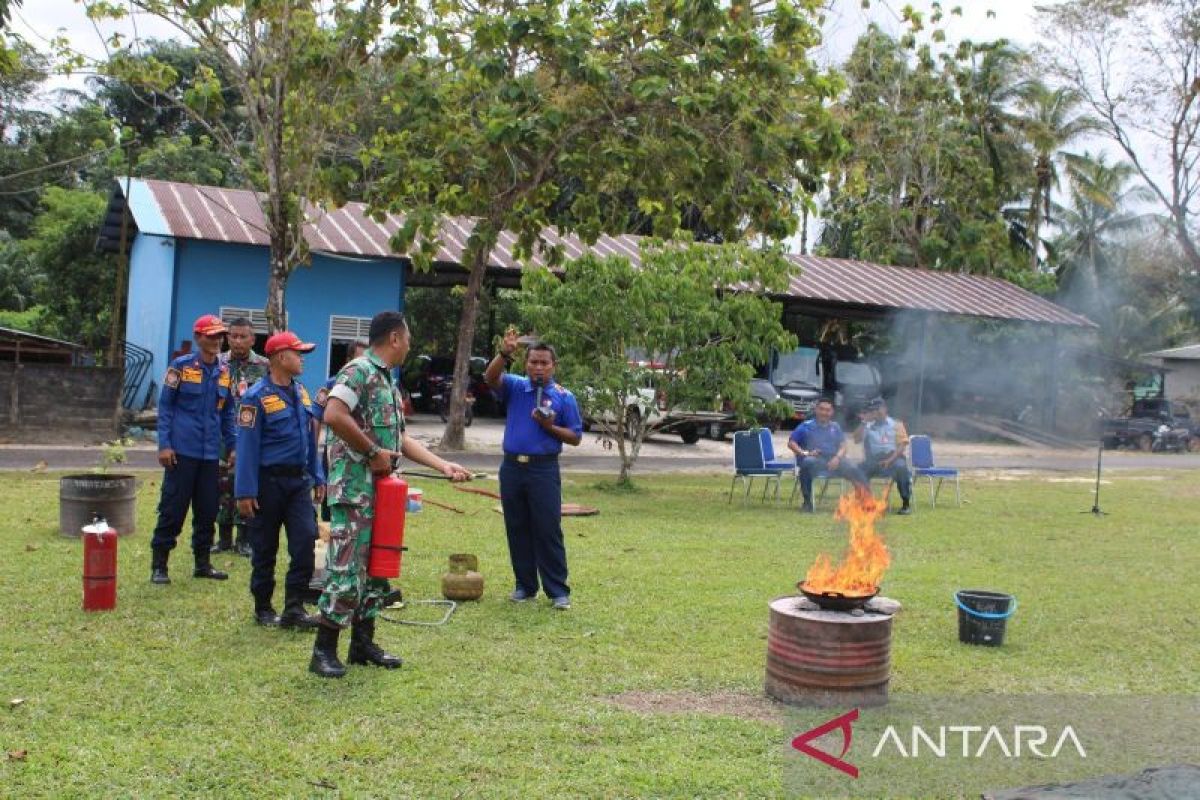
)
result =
(365, 384)
(244, 372)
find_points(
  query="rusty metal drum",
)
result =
(827, 658)
(81, 497)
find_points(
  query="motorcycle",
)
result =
(1170, 440)
(441, 401)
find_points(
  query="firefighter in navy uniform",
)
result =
(279, 474)
(195, 417)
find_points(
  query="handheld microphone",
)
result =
(540, 384)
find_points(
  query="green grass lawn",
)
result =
(178, 693)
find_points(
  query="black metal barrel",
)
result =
(81, 497)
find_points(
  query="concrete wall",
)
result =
(55, 402)
(1183, 382)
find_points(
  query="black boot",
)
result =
(224, 539)
(204, 569)
(363, 649)
(324, 656)
(905, 508)
(158, 565)
(242, 545)
(264, 612)
(294, 616)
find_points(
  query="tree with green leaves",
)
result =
(921, 186)
(293, 65)
(1049, 120)
(673, 308)
(568, 113)
(1136, 64)
(1101, 208)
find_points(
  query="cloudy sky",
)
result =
(1014, 19)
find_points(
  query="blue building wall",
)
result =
(215, 274)
(151, 300)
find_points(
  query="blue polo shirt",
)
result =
(522, 435)
(195, 408)
(273, 430)
(811, 435)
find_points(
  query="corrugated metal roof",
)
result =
(1189, 352)
(234, 215)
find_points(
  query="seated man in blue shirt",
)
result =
(884, 440)
(541, 416)
(820, 448)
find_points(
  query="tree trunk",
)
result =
(452, 437)
(1184, 236)
(276, 309)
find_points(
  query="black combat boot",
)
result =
(204, 569)
(294, 616)
(264, 612)
(242, 545)
(324, 656)
(158, 565)
(363, 649)
(224, 539)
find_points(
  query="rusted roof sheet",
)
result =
(234, 215)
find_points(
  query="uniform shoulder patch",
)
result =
(171, 379)
(224, 380)
(247, 415)
(304, 398)
(272, 403)
(322, 396)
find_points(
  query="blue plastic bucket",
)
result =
(982, 616)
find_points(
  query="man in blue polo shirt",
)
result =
(820, 448)
(541, 416)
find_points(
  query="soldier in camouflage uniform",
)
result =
(366, 423)
(245, 368)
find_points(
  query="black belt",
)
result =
(285, 470)
(522, 459)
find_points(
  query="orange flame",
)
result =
(866, 559)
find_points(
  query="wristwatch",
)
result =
(372, 451)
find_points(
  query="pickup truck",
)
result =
(649, 408)
(1137, 429)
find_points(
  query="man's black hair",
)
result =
(383, 323)
(548, 348)
(824, 399)
(241, 322)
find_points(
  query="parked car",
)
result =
(648, 407)
(764, 406)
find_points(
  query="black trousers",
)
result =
(282, 501)
(192, 482)
(532, 498)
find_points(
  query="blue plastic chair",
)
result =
(748, 464)
(923, 467)
(768, 451)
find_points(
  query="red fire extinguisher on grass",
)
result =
(387, 529)
(99, 566)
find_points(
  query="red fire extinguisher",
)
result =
(99, 566)
(387, 529)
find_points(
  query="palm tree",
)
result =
(1102, 207)
(1050, 124)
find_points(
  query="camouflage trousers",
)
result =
(349, 592)
(227, 514)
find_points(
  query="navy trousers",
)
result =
(532, 498)
(285, 501)
(810, 467)
(191, 482)
(897, 472)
